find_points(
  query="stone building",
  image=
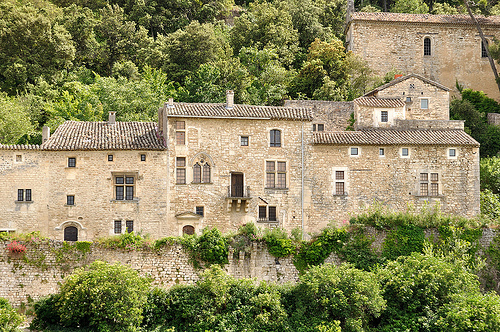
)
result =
(225, 165)
(444, 48)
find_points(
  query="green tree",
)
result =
(14, 119)
(266, 25)
(490, 174)
(410, 7)
(32, 44)
(10, 320)
(104, 297)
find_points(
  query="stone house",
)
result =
(444, 48)
(225, 165)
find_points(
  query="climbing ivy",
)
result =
(402, 241)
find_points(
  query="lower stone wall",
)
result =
(44, 267)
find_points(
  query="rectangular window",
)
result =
(19, 158)
(200, 210)
(429, 180)
(110, 157)
(381, 152)
(483, 50)
(244, 140)
(71, 162)
(354, 151)
(384, 116)
(405, 152)
(180, 171)
(452, 153)
(339, 180)
(424, 103)
(143, 157)
(276, 174)
(321, 127)
(124, 188)
(130, 226)
(180, 134)
(20, 195)
(275, 138)
(118, 226)
(28, 195)
(70, 200)
(314, 127)
(408, 99)
(267, 213)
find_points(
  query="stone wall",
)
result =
(455, 55)
(334, 115)
(494, 119)
(167, 267)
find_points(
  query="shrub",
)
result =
(9, 318)
(327, 293)
(212, 247)
(103, 296)
(402, 241)
(46, 313)
(278, 243)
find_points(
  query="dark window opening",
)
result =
(130, 226)
(200, 210)
(71, 162)
(188, 230)
(118, 226)
(20, 195)
(70, 200)
(427, 46)
(384, 116)
(483, 50)
(71, 233)
(244, 140)
(275, 138)
(143, 157)
(110, 157)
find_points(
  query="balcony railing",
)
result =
(238, 191)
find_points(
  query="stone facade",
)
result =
(225, 165)
(453, 52)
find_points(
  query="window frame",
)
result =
(110, 157)
(427, 46)
(384, 116)
(351, 150)
(484, 55)
(125, 189)
(129, 226)
(72, 162)
(381, 152)
(427, 101)
(244, 140)
(402, 150)
(180, 132)
(267, 213)
(180, 170)
(340, 179)
(429, 183)
(70, 200)
(117, 227)
(279, 175)
(143, 157)
(200, 210)
(275, 138)
(20, 195)
(448, 153)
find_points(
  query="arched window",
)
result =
(188, 230)
(275, 138)
(197, 173)
(427, 46)
(206, 173)
(71, 233)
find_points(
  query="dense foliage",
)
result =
(10, 320)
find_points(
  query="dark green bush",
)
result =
(104, 297)
(10, 320)
(212, 247)
(46, 313)
(402, 241)
(358, 251)
(278, 243)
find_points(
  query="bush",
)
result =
(46, 313)
(9, 318)
(278, 243)
(490, 205)
(103, 296)
(212, 247)
(327, 293)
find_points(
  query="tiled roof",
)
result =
(238, 111)
(75, 135)
(396, 137)
(404, 78)
(19, 147)
(424, 18)
(380, 102)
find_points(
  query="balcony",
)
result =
(239, 197)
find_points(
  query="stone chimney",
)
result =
(111, 117)
(229, 99)
(45, 133)
(170, 103)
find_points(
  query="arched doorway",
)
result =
(71, 233)
(188, 230)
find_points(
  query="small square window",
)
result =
(408, 99)
(321, 127)
(424, 103)
(71, 162)
(110, 157)
(434, 177)
(384, 116)
(354, 151)
(70, 200)
(143, 157)
(200, 210)
(405, 152)
(244, 140)
(19, 158)
(452, 153)
(381, 152)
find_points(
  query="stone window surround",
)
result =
(345, 180)
(70, 200)
(276, 172)
(180, 132)
(429, 180)
(428, 102)
(125, 175)
(18, 158)
(350, 151)
(381, 152)
(267, 213)
(244, 140)
(427, 52)
(180, 164)
(71, 162)
(25, 194)
(448, 150)
(401, 152)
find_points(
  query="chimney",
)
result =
(45, 133)
(229, 99)
(111, 117)
(170, 103)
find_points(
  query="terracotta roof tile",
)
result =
(238, 111)
(424, 18)
(19, 147)
(380, 102)
(74, 135)
(404, 78)
(396, 137)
